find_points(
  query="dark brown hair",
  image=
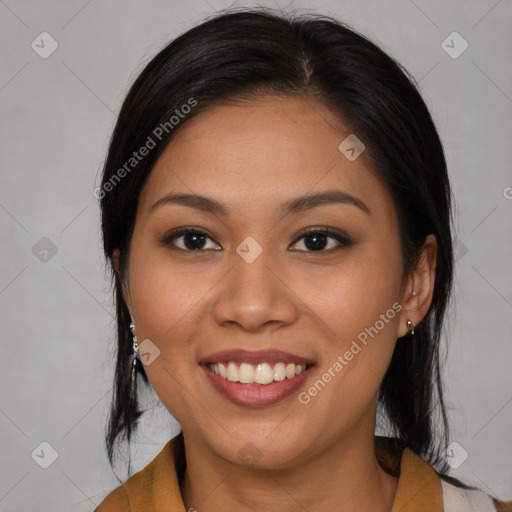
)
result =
(246, 53)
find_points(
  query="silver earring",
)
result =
(410, 328)
(135, 356)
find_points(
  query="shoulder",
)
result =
(133, 492)
(117, 501)
(422, 488)
(459, 497)
(138, 492)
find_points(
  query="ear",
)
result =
(126, 295)
(420, 286)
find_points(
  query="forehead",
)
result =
(262, 151)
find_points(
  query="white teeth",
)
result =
(232, 373)
(279, 372)
(246, 373)
(262, 373)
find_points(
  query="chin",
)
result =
(265, 452)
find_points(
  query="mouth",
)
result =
(255, 379)
(263, 373)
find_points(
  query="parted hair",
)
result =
(246, 53)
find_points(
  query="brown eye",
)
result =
(190, 239)
(321, 240)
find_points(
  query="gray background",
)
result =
(57, 115)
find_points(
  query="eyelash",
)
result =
(343, 240)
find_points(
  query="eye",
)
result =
(192, 239)
(317, 240)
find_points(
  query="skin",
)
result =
(252, 157)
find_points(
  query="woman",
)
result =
(276, 210)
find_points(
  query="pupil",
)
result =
(318, 243)
(196, 239)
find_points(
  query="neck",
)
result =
(346, 476)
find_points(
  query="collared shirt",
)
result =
(420, 489)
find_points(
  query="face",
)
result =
(307, 321)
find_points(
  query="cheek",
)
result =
(352, 295)
(167, 303)
(164, 296)
(356, 308)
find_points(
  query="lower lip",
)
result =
(256, 395)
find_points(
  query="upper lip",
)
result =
(254, 357)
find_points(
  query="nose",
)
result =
(255, 296)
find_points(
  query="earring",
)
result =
(135, 356)
(410, 328)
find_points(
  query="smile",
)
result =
(263, 373)
(255, 379)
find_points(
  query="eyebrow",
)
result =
(298, 204)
